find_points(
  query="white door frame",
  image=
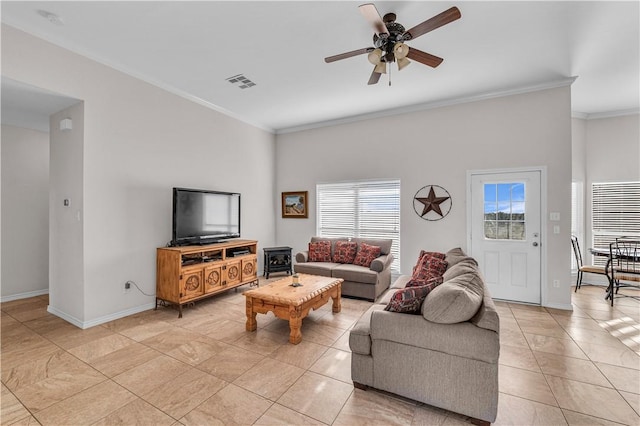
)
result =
(543, 217)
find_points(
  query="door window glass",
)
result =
(504, 210)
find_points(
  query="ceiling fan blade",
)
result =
(348, 54)
(371, 14)
(424, 57)
(374, 77)
(437, 21)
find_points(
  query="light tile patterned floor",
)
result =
(557, 367)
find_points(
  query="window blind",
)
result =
(615, 213)
(369, 209)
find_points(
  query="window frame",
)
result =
(356, 218)
(615, 212)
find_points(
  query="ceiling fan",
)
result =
(389, 41)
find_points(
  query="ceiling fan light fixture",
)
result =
(403, 62)
(400, 50)
(388, 41)
(375, 56)
(381, 68)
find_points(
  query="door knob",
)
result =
(535, 244)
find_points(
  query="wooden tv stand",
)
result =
(189, 273)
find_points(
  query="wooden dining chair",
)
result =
(582, 268)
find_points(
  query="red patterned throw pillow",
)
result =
(430, 253)
(432, 282)
(408, 300)
(345, 251)
(366, 255)
(320, 251)
(429, 266)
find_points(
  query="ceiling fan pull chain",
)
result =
(390, 74)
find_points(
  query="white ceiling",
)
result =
(191, 48)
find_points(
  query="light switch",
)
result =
(556, 229)
(555, 216)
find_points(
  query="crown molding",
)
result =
(432, 105)
(611, 114)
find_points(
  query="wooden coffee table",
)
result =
(292, 303)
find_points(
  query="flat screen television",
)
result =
(204, 217)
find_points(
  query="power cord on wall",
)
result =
(139, 289)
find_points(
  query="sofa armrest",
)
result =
(302, 257)
(381, 263)
(462, 339)
(359, 336)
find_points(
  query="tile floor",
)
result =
(556, 368)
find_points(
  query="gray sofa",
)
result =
(446, 357)
(359, 281)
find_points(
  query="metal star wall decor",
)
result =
(432, 202)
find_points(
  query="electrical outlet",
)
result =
(556, 283)
(127, 287)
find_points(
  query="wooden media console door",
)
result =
(189, 273)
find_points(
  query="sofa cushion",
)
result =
(385, 298)
(320, 251)
(429, 267)
(433, 282)
(408, 300)
(430, 253)
(462, 267)
(456, 255)
(345, 251)
(366, 254)
(315, 268)
(354, 273)
(401, 281)
(383, 243)
(331, 240)
(454, 301)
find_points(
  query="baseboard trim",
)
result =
(101, 320)
(68, 318)
(24, 295)
(560, 306)
(118, 315)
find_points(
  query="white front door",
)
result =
(505, 233)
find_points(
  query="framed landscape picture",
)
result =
(294, 205)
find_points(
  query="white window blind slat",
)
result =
(615, 213)
(368, 209)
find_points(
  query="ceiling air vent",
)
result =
(242, 81)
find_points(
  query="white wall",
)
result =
(613, 149)
(139, 142)
(579, 173)
(612, 155)
(25, 212)
(578, 149)
(438, 147)
(66, 239)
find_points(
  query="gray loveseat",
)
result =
(359, 281)
(447, 356)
